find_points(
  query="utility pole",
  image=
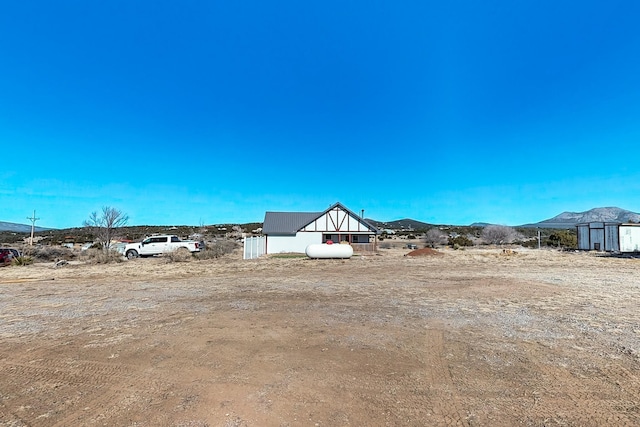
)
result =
(33, 220)
(538, 239)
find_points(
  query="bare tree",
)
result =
(435, 237)
(104, 224)
(499, 234)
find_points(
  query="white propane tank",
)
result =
(324, 250)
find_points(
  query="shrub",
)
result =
(458, 241)
(50, 253)
(179, 255)
(99, 256)
(217, 249)
(22, 260)
(563, 239)
(499, 234)
(206, 253)
(532, 243)
(435, 237)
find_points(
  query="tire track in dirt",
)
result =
(463, 340)
(71, 373)
(566, 385)
(9, 418)
(443, 394)
(68, 386)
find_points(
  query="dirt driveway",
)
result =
(468, 338)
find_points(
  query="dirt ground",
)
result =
(474, 337)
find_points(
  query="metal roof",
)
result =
(287, 223)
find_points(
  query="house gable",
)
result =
(339, 219)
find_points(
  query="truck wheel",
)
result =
(132, 254)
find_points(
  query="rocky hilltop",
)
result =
(570, 219)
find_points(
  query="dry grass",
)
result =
(524, 265)
(474, 337)
(99, 256)
(49, 253)
(179, 255)
(218, 248)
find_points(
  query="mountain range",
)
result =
(564, 220)
(19, 228)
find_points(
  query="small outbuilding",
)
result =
(294, 231)
(608, 237)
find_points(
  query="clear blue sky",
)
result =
(204, 112)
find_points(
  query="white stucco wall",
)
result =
(629, 238)
(297, 243)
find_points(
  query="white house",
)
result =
(294, 231)
(609, 236)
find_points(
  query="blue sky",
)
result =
(205, 112)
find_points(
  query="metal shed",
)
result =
(609, 237)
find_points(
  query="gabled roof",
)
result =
(344, 208)
(289, 223)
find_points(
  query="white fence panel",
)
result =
(254, 247)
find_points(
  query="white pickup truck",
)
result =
(161, 244)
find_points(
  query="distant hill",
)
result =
(570, 219)
(400, 224)
(19, 228)
(564, 220)
(480, 224)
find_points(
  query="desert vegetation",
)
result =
(222, 239)
(22, 261)
(42, 253)
(435, 237)
(499, 234)
(99, 256)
